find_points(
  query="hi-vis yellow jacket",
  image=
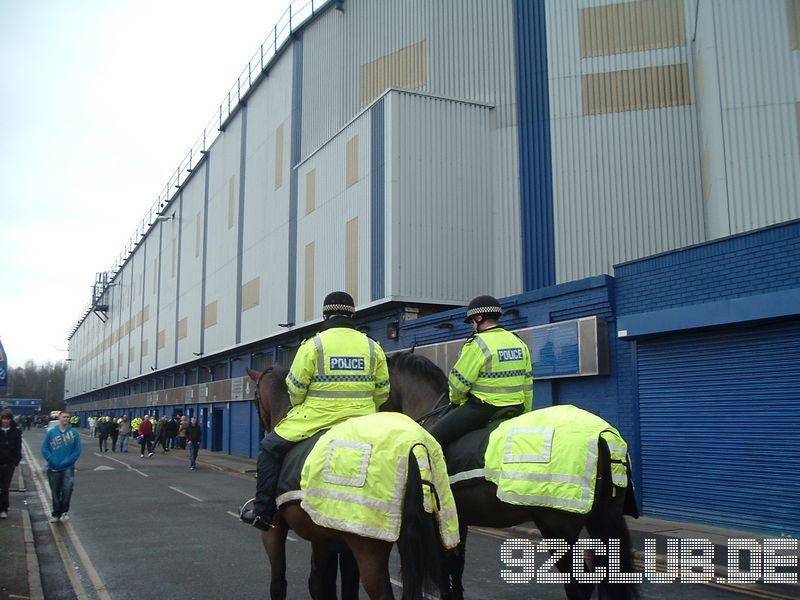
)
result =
(337, 374)
(356, 476)
(495, 367)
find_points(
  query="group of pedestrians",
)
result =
(118, 430)
(177, 432)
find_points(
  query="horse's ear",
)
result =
(253, 374)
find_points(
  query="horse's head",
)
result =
(272, 395)
(417, 384)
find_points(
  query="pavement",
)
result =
(22, 579)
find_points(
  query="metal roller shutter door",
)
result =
(720, 426)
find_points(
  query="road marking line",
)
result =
(77, 587)
(186, 494)
(232, 514)
(94, 577)
(122, 462)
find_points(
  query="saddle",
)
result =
(292, 468)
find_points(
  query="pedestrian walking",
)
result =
(170, 433)
(103, 431)
(114, 432)
(193, 438)
(161, 435)
(61, 448)
(182, 432)
(10, 455)
(92, 425)
(124, 433)
(146, 433)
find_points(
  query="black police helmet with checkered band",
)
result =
(339, 303)
(486, 306)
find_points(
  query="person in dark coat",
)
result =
(170, 432)
(193, 438)
(104, 430)
(10, 455)
(114, 433)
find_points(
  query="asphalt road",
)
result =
(152, 528)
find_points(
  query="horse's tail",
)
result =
(421, 552)
(607, 521)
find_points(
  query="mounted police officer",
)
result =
(337, 374)
(493, 373)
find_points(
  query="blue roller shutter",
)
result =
(720, 426)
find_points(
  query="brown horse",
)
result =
(418, 387)
(422, 556)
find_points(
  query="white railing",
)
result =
(292, 19)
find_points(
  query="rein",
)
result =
(436, 409)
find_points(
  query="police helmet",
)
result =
(339, 303)
(486, 306)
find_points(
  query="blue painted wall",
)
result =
(535, 164)
(763, 261)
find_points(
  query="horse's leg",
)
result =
(372, 557)
(565, 526)
(322, 578)
(274, 542)
(455, 566)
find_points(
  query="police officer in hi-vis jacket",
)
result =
(337, 374)
(493, 372)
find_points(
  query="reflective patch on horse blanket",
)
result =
(355, 477)
(289, 479)
(548, 457)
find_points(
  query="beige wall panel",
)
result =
(251, 294)
(183, 328)
(311, 191)
(309, 282)
(631, 27)
(145, 347)
(636, 89)
(211, 314)
(406, 68)
(793, 23)
(162, 339)
(352, 161)
(351, 258)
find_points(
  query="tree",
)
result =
(39, 381)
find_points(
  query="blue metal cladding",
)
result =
(535, 163)
(720, 433)
(240, 428)
(377, 203)
(297, 124)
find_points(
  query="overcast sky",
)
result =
(99, 102)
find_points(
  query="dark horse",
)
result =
(421, 552)
(417, 386)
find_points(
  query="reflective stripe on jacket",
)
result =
(337, 374)
(495, 367)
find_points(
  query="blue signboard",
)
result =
(22, 406)
(3, 367)
(554, 350)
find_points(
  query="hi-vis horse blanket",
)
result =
(354, 478)
(548, 457)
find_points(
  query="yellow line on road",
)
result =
(91, 572)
